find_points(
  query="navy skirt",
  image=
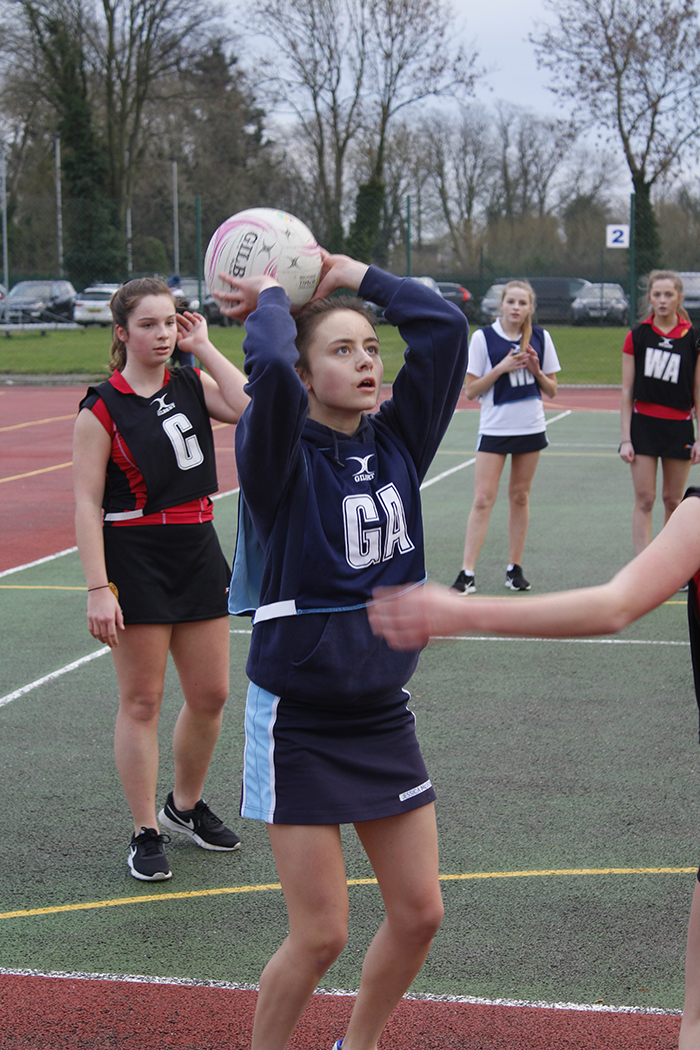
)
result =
(305, 764)
(512, 444)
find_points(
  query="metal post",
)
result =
(633, 276)
(602, 283)
(408, 236)
(129, 245)
(176, 228)
(198, 214)
(3, 195)
(59, 204)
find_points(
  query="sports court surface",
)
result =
(567, 774)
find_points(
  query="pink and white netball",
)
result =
(265, 241)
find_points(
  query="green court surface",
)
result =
(567, 776)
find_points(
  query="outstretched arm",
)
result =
(408, 620)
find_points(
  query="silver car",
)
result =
(92, 305)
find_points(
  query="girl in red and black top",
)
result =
(157, 579)
(660, 396)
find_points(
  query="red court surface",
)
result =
(118, 1015)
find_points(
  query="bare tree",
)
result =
(347, 67)
(631, 68)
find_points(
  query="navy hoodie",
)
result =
(335, 515)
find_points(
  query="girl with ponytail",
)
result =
(660, 396)
(511, 363)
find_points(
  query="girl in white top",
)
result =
(510, 364)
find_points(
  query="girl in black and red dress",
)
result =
(660, 396)
(157, 579)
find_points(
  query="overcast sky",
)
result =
(500, 29)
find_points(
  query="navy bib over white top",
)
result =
(513, 405)
(513, 386)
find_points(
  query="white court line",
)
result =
(50, 677)
(39, 561)
(191, 982)
(561, 641)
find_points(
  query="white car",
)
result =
(92, 305)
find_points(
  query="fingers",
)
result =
(105, 618)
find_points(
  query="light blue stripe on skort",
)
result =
(258, 798)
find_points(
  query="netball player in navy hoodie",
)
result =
(332, 497)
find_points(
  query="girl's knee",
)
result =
(141, 707)
(421, 923)
(324, 946)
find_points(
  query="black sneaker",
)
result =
(465, 583)
(202, 826)
(147, 858)
(515, 579)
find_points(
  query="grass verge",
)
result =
(587, 355)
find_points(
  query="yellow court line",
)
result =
(221, 891)
(36, 422)
(32, 473)
(37, 587)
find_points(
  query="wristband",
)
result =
(102, 587)
(627, 441)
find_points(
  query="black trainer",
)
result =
(515, 579)
(147, 858)
(200, 824)
(465, 583)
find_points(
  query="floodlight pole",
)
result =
(59, 204)
(176, 228)
(3, 196)
(408, 236)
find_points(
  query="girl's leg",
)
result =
(522, 471)
(140, 660)
(487, 474)
(403, 852)
(644, 481)
(201, 653)
(674, 478)
(311, 869)
(690, 1025)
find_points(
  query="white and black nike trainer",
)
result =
(147, 859)
(200, 824)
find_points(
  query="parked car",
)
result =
(190, 287)
(491, 303)
(459, 296)
(212, 314)
(36, 301)
(691, 294)
(378, 311)
(554, 297)
(600, 302)
(92, 305)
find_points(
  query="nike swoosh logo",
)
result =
(188, 823)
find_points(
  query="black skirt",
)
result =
(662, 438)
(167, 573)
